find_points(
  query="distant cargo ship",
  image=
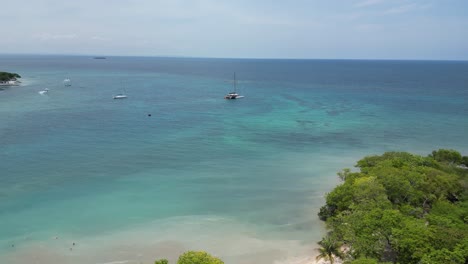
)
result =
(100, 58)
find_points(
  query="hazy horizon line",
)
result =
(225, 58)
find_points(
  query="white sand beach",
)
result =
(145, 244)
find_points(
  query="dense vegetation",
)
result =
(399, 208)
(7, 76)
(193, 257)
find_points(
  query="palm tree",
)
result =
(329, 250)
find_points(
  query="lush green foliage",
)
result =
(447, 155)
(7, 76)
(401, 208)
(194, 257)
(329, 249)
(198, 257)
(363, 261)
(464, 160)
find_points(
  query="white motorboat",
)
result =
(120, 96)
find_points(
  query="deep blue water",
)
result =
(79, 164)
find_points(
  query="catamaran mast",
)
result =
(235, 83)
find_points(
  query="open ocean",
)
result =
(242, 179)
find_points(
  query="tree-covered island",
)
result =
(399, 208)
(8, 78)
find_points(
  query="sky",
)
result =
(315, 29)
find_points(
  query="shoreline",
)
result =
(233, 242)
(63, 251)
(10, 83)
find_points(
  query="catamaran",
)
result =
(67, 82)
(121, 95)
(234, 94)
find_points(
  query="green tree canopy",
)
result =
(401, 208)
(447, 155)
(198, 257)
(7, 76)
(363, 261)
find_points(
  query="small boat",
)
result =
(45, 91)
(67, 82)
(234, 94)
(120, 96)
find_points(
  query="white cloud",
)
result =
(99, 38)
(368, 27)
(407, 8)
(48, 36)
(369, 3)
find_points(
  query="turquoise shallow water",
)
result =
(239, 178)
